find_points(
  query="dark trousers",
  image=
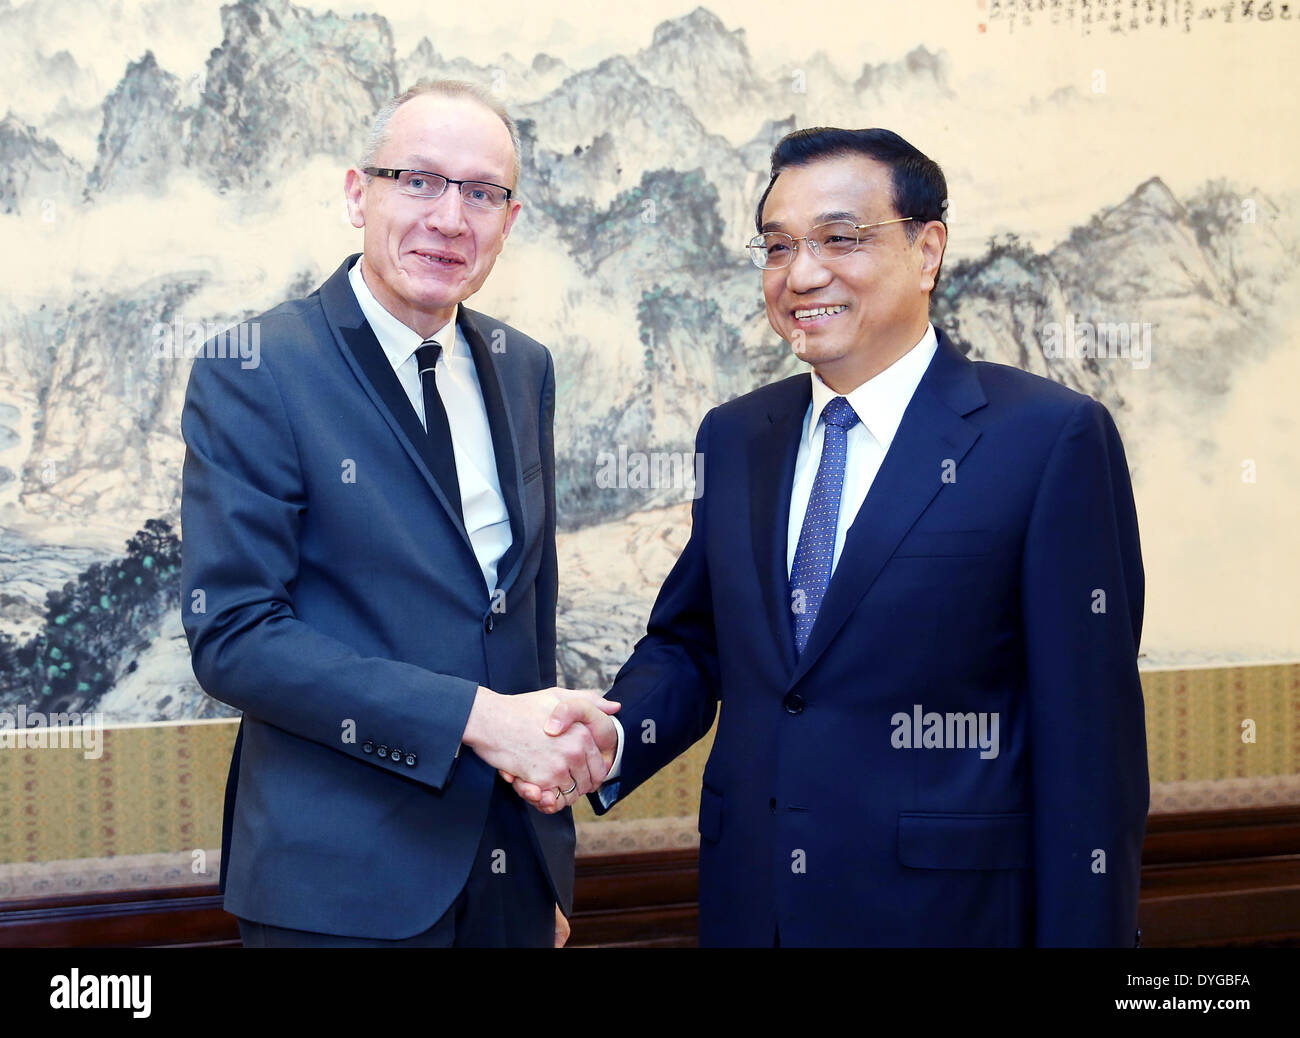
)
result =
(507, 901)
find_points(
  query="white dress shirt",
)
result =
(879, 404)
(487, 521)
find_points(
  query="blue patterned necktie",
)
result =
(811, 572)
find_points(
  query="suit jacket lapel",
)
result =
(366, 358)
(933, 431)
(505, 445)
(772, 455)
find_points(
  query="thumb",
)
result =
(564, 714)
(594, 696)
(568, 711)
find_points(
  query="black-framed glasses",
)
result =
(420, 183)
(828, 241)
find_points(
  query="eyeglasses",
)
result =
(420, 183)
(828, 241)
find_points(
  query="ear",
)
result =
(932, 240)
(354, 192)
(512, 214)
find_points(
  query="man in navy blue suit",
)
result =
(370, 573)
(914, 585)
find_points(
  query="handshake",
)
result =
(553, 745)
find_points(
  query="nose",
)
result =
(446, 213)
(806, 272)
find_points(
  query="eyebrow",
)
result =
(828, 217)
(482, 178)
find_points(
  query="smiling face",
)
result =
(423, 256)
(853, 317)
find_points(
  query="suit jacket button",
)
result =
(368, 747)
(1137, 938)
(487, 623)
(410, 760)
(794, 703)
(395, 754)
(383, 750)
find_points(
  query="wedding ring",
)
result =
(571, 788)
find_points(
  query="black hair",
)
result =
(920, 190)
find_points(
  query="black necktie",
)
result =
(435, 422)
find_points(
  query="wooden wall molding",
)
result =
(1222, 878)
(1209, 878)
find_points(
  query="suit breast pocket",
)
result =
(930, 544)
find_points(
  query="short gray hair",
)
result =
(378, 135)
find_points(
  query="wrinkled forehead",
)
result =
(457, 136)
(842, 187)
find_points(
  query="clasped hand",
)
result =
(553, 745)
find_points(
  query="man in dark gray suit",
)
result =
(370, 573)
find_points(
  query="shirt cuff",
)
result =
(616, 768)
(608, 791)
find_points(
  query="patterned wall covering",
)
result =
(138, 816)
(166, 183)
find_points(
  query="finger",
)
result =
(568, 711)
(560, 720)
(596, 697)
(580, 709)
(545, 802)
(603, 749)
(579, 780)
(530, 792)
(507, 776)
(597, 769)
(588, 770)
